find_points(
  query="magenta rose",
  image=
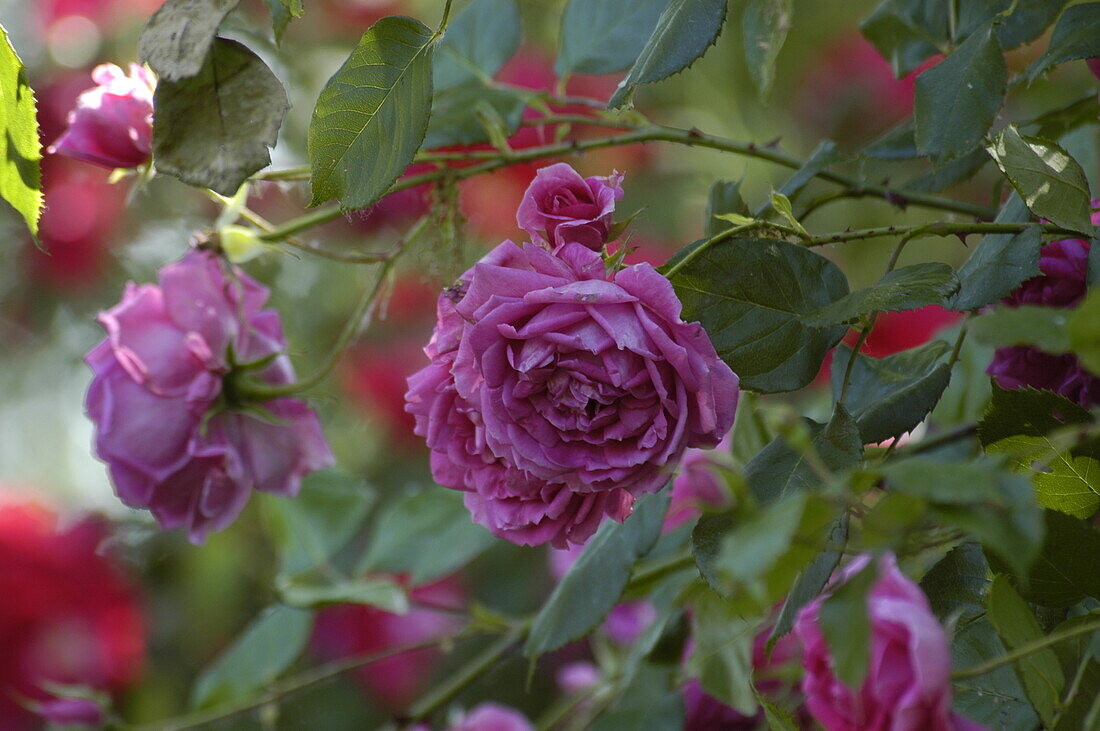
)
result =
(72, 712)
(112, 124)
(908, 683)
(560, 206)
(177, 437)
(558, 393)
(492, 717)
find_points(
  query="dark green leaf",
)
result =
(890, 396)
(1042, 327)
(1050, 182)
(1083, 708)
(1028, 20)
(825, 155)
(1083, 328)
(907, 288)
(722, 652)
(766, 23)
(683, 33)
(1039, 671)
(958, 99)
(949, 174)
(1060, 122)
(1001, 261)
(1077, 36)
(20, 150)
(595, 582)
(605, 38)
(898, 143)
(314, 590)
(372, 114)
(812, 580)
(479, 40)
(177, 39)
(968, 393)
(650, 702)
(907, 32)
(1065, 572)
(996, 699)
(725, 197)
(847, 627)
(213, 129)
(1028, 412)
(263, 652)
(426, 535)
(956, 585)
(751, 296)
(455, 119)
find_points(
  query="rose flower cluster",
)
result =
(559, 388)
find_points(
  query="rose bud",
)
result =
(112, 124)
(563, 207)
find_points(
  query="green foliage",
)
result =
(649, 702)
(812, 580)
(1065, 571)
(1051, 183)
(946, 175)
(605, 38)
(898, 143)
(907, 32)
(1000, 262)
(372, 114)
(20, 150)
(262, 652)
(1083, 329)
(752, 296)
(1027, 21)
(1076, 36)
(596, 581)
(683, 33)
(908, 288)
(478, 41)
(721, 656)
(724, 198)
(460, 114)
(958, 99)
(847, 627)
(766, 23)
(178, 38)
(890, 396)
(1039, 671)
(426, 535)
(1056, 124)
(1042, 327)
(282, 12)
(995, 699)
(316, 590)
(956, 585)
(213, 129)
(824, 156)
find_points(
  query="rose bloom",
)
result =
(68, 615)
(491, 716)
(177, 438)
(558, 393)
(561, 206)
(908, 683)
(112, 124)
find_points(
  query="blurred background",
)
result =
(105, 599)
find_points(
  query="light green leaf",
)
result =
(908, 288)
(478, 41)
(1000, 262)
(1083, 329)
(766, 23)
(178, 38)
(812, 580)
(605, 38)
(1027, 412)
(1042, 327)
(282, 12)
(847, 626)
(683, 33)
(722, 652)
(1077, 36)
(20, 150)
(455, 119)
(1051, 183)
(782, 206)
(372, 114)
(314, 590)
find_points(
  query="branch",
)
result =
(1026, 649)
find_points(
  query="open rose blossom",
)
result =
(908, 683)
(558, 393)
(112, 124)
(563, 207)
(177, 438)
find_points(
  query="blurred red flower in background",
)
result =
(68, 616)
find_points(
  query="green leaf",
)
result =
(908, 288)
(766, 23)
(20, 150)
(1050, 182)
(1083, 329)
(372, 114)
(1077, 36)
(213, 129)
(1039, 671)
(1042, 327)
(968, 393)
(944, 176)
(812, 580)
(427, 535)
(1027, 412)
(722, 652)
(782, 206)
(958, 99)
(1056, 124)
(651, 702)
(898, 143)
(847, 626)
(263, 652)
(455, 119)
(890, 396)
(724, 198)
(824, 156)
(478, 41)
(178, 38)
(1028, 20)
(605, 38)
(1000, 262)
(1083, 707)
(596, 581)
(907, 32)
(282, 12)
(1065, 571)
(683, 33)
(751, 296)
(310, 529)
(956, 585)
(314, 590)
(996, 699)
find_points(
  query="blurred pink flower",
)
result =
(491, 716)
(72, 712)
(577, 676)
(112, 124)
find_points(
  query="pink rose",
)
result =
(558, 393)
(72, 712)
(492, 717)
(112, 124)
(908, 683)
(564, 207)
(577, 676)
(176, 436)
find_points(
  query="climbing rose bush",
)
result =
(560, 206)
(178, 439)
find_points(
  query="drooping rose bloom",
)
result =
(1063, 283)
(491, 716)
(68, 615)
(176, 436)
(908, 683)
(560, 206)
(558, 393)
(112, 124)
